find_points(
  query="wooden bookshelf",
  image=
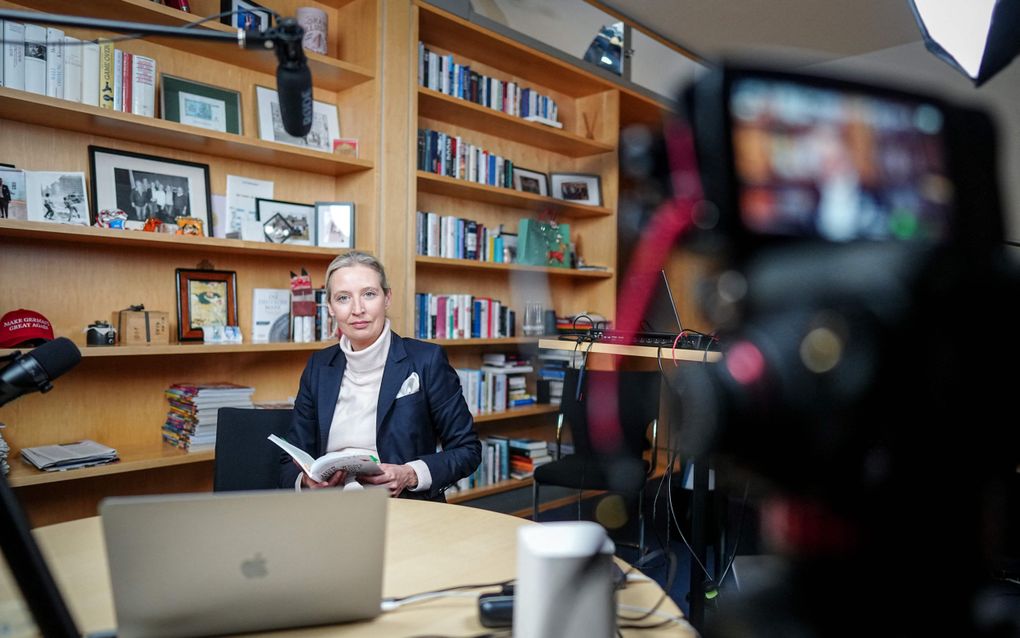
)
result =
(446, 108)
(516, 413)
(472, 343)
(463, 189)
(469, 264)
(132, 459)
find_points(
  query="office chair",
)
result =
(623, 470)
(245, 459)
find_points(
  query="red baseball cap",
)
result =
(24, 328)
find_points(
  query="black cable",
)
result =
(398, 599)
(740, 527)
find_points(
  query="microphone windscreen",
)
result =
(56, 357)
(294, 87)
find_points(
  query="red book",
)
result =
(178, 4)
(125, 82)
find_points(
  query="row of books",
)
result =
(458, 238)
(504, 458)
(442, 73)
(273, 320)
(462, 316)
(489, 389)
(193, 408)
(451, 156)
(44, 60)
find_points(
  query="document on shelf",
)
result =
(330, 463)
(67, 456)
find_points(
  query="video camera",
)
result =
(863, 306)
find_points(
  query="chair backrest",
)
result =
(637, 405)
(245, 460)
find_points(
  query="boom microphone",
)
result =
(293, 78)
(37, 369)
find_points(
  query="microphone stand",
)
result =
(26, 562)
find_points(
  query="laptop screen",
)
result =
(661, 314)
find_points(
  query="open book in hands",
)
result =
(330, 463)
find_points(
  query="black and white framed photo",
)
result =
(146, 186)
(325, 122)
(530, 181)
(54, 196)
(201, 105)
(286, 222)
(335, 224)
(12, 193)
(578, 188)
(245, 14)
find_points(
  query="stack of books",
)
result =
(191, 421)
(5, 449)
(526, 455)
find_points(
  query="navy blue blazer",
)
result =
(407, 428)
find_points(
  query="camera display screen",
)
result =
(816, 161)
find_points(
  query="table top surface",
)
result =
(667, 354)
(470, 546)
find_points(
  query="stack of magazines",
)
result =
(5, 449)
(68, 456)
(191, 420)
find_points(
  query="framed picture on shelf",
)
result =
(245, 14)
(13, 201)
(286, 222)
(201, 105)
(578, 188)
(530, 181)
(55, 196)
(325, 122)
(205, 298)
(146, 186)
(335, 224)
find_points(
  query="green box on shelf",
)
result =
(543, 243)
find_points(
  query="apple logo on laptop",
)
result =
(254, 567)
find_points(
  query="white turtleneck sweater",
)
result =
(352, 429)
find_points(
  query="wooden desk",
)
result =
(469, 546)
(681, 354)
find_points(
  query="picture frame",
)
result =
(529, 181)
(204, 298)
(325, 122)
(14, 180)
(245, 14)
(578, 188)
(334, 224)
(147, 186)
(202, 105)
(286, 222)
(56, 197)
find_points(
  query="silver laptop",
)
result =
(204, 564)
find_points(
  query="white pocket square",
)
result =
(409, 386)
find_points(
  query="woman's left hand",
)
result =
(396, 478)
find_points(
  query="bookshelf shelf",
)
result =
(488, 490)
(437, 106)
(132, 459)
(470, 343)
(155, 241)
(182, 349)
(447, 31)
(330, 74)
(516, 413)
(83, 118)
(463, 189)
(445, 262)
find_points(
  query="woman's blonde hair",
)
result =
(356, 258)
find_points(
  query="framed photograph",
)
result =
(335, 227)
(12, 194)
(201, 105)
(205, 298)
(286, 222)
(325, 122)
(53, 196)
(245, 14)
(531, 181)
(146, 186)
(578, 188)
